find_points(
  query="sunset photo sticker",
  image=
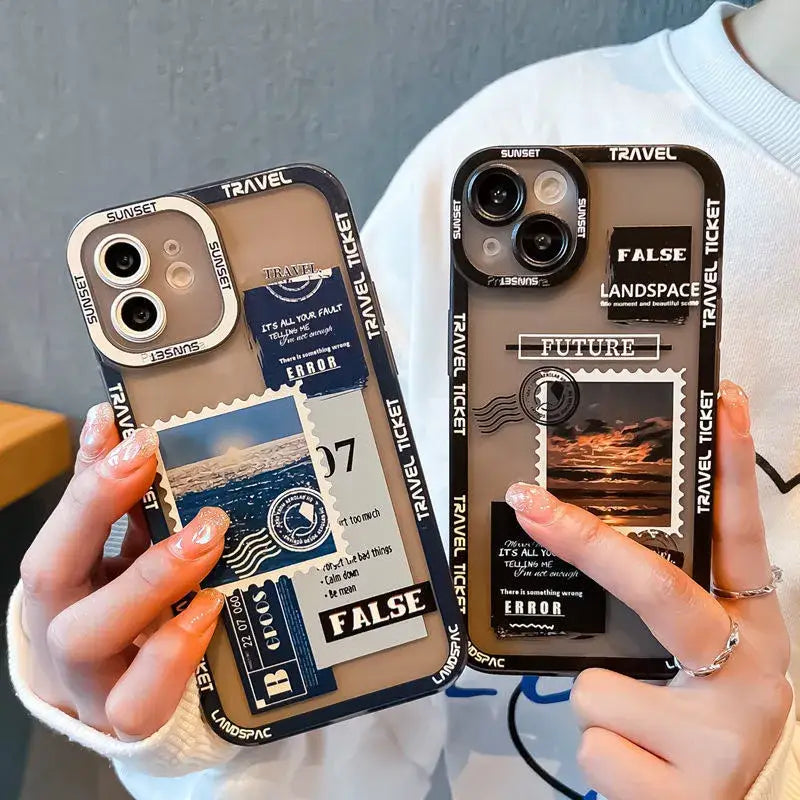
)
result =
(619, 454)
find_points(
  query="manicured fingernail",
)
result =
(737, 406)
(130, 453)
(533, 502)
(202, 612)
(204, 533)
(99, 420)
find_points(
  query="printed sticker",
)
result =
(354, 619)
(649, 275)
(258, 460)
(547, 396)
(619, 454)
(533, 592)
(376, 561)
(271, 646)
(306, 331)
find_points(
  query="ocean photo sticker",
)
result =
(259, 461)
(619, 454)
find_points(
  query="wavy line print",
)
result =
(540, 626)
(243, 547)
(253, 565)
(498, 423)
(502, 397)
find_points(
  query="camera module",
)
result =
(122, 261)
(541, 242)
(496, 194)
(138, 315)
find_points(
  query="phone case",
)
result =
(594, 375)
(239, 320)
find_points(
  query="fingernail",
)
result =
(737, 406)
(533, 502)
(202, 535)
(95, 431)
(202, 612)
(130, 453)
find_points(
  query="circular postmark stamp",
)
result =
(660, 542)
(549, 395)
(298, 519)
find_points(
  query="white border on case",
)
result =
(230, 303)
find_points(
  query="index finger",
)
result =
(740, 559)
(687, 620)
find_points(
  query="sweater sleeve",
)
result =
(780, 778)
(184, 744)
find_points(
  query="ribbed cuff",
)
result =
(184, 744)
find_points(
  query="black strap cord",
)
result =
(527, 757)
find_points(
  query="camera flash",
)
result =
(180, 276)
(172, 247)
(491, 246)
(550, 187)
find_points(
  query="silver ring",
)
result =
(720, 660)
(775, 579)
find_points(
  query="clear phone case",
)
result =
(239, 320)
(584, 328)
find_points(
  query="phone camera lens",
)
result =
(122, 261)
(541, 241)
(138, 315)
(496, 194)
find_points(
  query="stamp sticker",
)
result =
(258, 460)
(619, 453)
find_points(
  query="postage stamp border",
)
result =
(294, 391)
(676, 378)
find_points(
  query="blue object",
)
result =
(529, 688)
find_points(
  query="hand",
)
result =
(698, 737)
(85, 615)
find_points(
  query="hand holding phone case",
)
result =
(583, 357)
(239, 321)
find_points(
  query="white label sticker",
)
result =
(375, 562)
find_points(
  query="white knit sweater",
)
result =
(689, 86)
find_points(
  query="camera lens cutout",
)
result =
(138, 315)
(122, 261)
(541, 241)
(496, 194)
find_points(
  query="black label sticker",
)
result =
(649, 275)
(533, 592)
(377, 612)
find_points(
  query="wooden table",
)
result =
(35, 447)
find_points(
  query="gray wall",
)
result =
(102, 103)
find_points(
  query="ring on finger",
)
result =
(776, 576)
(721, 659)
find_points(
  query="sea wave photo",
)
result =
(242, 461)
